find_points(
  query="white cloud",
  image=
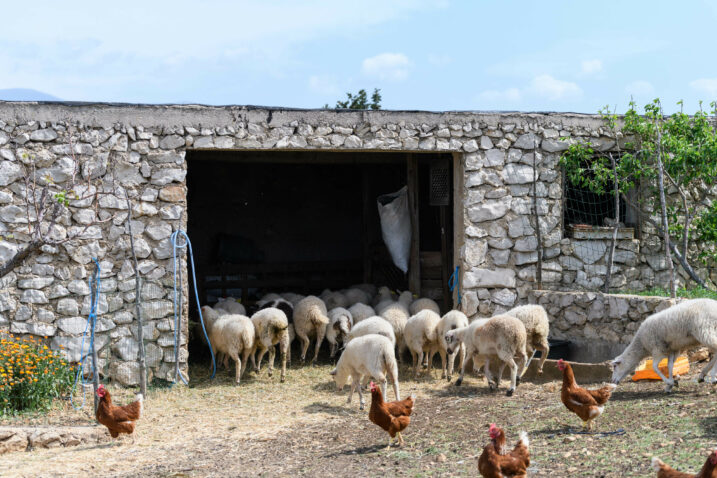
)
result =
(325, 85)
(588, 67)
(706, 85)
(554, 89)
(387, 66)
(509, 95)
(640, 88)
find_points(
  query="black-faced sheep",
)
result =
(338, 328)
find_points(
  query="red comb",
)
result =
(492, 427)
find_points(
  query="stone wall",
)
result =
(594, 316)
(142, 149)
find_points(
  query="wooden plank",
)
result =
(430, 259)
(414, 267)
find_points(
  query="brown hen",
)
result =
(587, 404)
(496, 462)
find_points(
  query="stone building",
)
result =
(286, 198)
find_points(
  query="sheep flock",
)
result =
(369, 330)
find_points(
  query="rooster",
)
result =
(393, 417)
(587, 404)
(495, 462)
(709, 469)
(117, 419)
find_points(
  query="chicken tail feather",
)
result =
(524, 438)
(657, 464)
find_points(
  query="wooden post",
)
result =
(414, 267)
(138, 306)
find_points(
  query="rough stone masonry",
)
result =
(143, 149)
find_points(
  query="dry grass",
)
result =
(304, 427)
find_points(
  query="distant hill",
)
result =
(25, 94)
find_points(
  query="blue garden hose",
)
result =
(178, 302)
(454, 283)
(91, 323)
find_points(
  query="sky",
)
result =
(423, 54)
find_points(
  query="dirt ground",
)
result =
(305, 428)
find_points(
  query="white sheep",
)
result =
(501, 337)
(310, 319)
(454, 319)
(420, 334)
(287, 307)
(397, 314)
(333, 299)
(384, 294)
(361, 312)
(271, 327)
(230, 305)
(354, 296)
(537, 326)
(370, 356)
(338, 328)
(424, 303)
(292, 297)
(369, 289)
(373, 325)
(667, 333)
(233, 335)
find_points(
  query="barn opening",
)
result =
(295, 221)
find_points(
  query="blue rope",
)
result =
(454, 283)
(91, 322)
(178, 302)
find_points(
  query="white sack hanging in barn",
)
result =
(396, 226)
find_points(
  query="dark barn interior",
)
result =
(307, 221)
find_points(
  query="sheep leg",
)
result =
(488, 373)
(527, 363)
(244, 360)
(508, 358)
(710, 366)
(445, 373)
(463, 370)
(334, 346)
(272, 355)
(354, 383)
(430, 355)
(304, 343)
(414, 363)
(261, 352)
(523, 365)
(237, 360)
(283, 349)
(362, 403)
(544, 351)
(320, 332)
(420, 361)
(656, 359)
